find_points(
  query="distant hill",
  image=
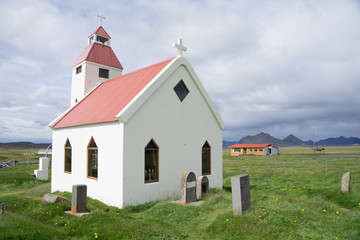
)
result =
(261, 138)
(24, 145)
(340, 141)
(292, 140)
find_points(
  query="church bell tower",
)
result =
(97, 63)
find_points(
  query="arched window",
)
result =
(151, 162)
(206, 159)
(92, 150)
(68, 156)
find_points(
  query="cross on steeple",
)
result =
(179, 47)
(101, 17)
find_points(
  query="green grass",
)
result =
(17, 154)
(289, 194)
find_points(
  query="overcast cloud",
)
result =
(279, 67)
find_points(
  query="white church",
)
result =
(130, 137)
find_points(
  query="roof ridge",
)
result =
(141, 69)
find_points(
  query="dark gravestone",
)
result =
(78, 200)
(188, 187)
(202, 187)
(240, 187)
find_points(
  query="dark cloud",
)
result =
(275, 66)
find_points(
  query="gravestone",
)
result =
(202, 187)
(188, 187)
(51, 198)
(240, 188)
(345, 183)
(43, 172)
(78, 199)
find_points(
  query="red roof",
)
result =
(251, 145)
(110, 97)
(99, 53)
(100, 31)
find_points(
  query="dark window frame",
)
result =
(181, 90)
(103, 40)
(78, 69)
(151, 154)
(92, 160)
(67, 157)
(206, 153)
(103, 73)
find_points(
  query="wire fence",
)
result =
(13, 162)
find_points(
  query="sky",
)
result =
(280, 67)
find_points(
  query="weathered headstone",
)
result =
(51, 198)
(188, 187)
(202, 187)
(43, 172)
(240, 187)
(345, 183)
(78, 199)
(2, 208)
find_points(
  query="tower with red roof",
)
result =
(96, 64)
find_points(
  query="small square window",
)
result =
(181, 90)
(78, 70)
(103, 73)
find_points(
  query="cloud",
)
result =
(275, 66)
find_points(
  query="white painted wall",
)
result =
(90, 71)
(109, 139)
(274, 151)
(179, 129)
(77, 84)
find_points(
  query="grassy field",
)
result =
(295, 195)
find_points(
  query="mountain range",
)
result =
(24, 145)
(292, 140)
(262, 137)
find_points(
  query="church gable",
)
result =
(179, 90)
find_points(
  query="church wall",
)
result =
(108, 137)
(274, 151)
(180, 129)
(80, 88)
(92, 74)
(77, 85)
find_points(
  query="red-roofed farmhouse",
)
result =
(254, 149)
(130, 137)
